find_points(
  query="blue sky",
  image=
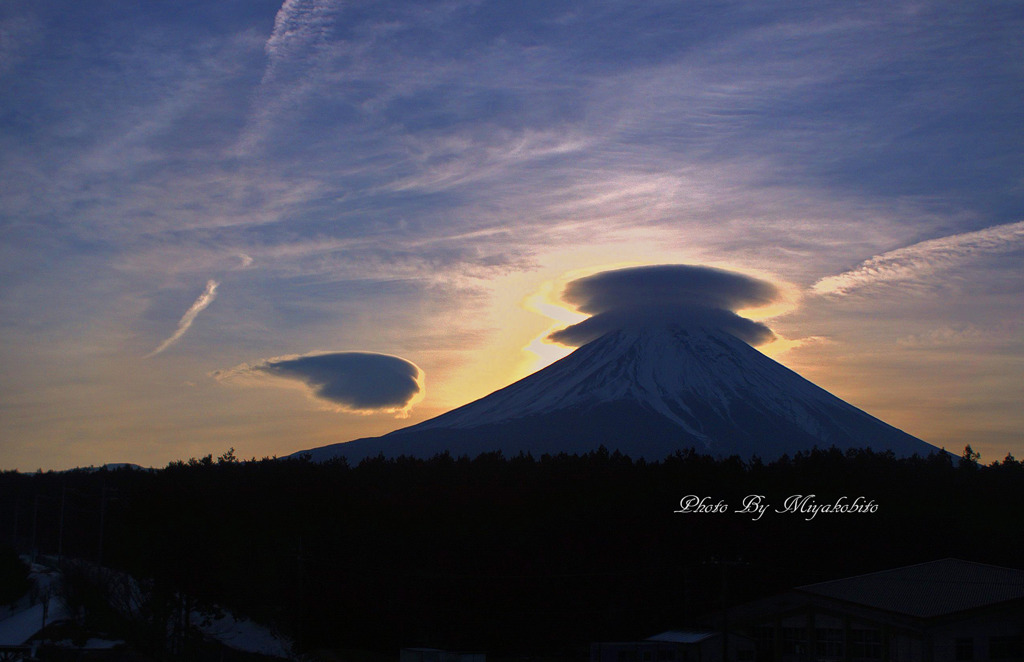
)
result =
(191, 192)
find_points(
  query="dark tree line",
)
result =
(505, 554)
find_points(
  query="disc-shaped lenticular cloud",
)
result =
(669, 294)
(359, 381)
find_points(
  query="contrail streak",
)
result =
(923, 258)
(204, 300)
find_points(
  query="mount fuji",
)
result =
(647, 392)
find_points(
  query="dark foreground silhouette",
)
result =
(504, 555)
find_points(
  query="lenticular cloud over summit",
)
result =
(678, 294)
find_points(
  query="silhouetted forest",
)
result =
(503, 555)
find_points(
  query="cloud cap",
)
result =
(667, 294)
(358, 381)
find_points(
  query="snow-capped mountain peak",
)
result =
(648, 392)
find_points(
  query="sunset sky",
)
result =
(277, 226)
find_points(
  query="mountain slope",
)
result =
(648, 393)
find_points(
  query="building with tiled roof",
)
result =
(676, 646)
(943, 611)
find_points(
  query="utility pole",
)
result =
(17, 511)
(103, 512)
(301, 606)
(60, 532)
(35, 519)
(723, 567)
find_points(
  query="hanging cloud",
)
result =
(204, 300)
(686, 295)
(924, 258)
(362, 382)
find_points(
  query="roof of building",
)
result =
(420, 649)
(927, 590)
(682, 637)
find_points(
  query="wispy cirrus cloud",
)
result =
(924, 258)
(204, 300)
(17, 34)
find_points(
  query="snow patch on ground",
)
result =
(244, 635)
(90, 645)
(31, 612)
(41, 606)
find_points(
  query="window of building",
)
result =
(866, 644)
(794, 641)
(828, 642)
(1006, 648)
(764, 635)
(964, 649)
